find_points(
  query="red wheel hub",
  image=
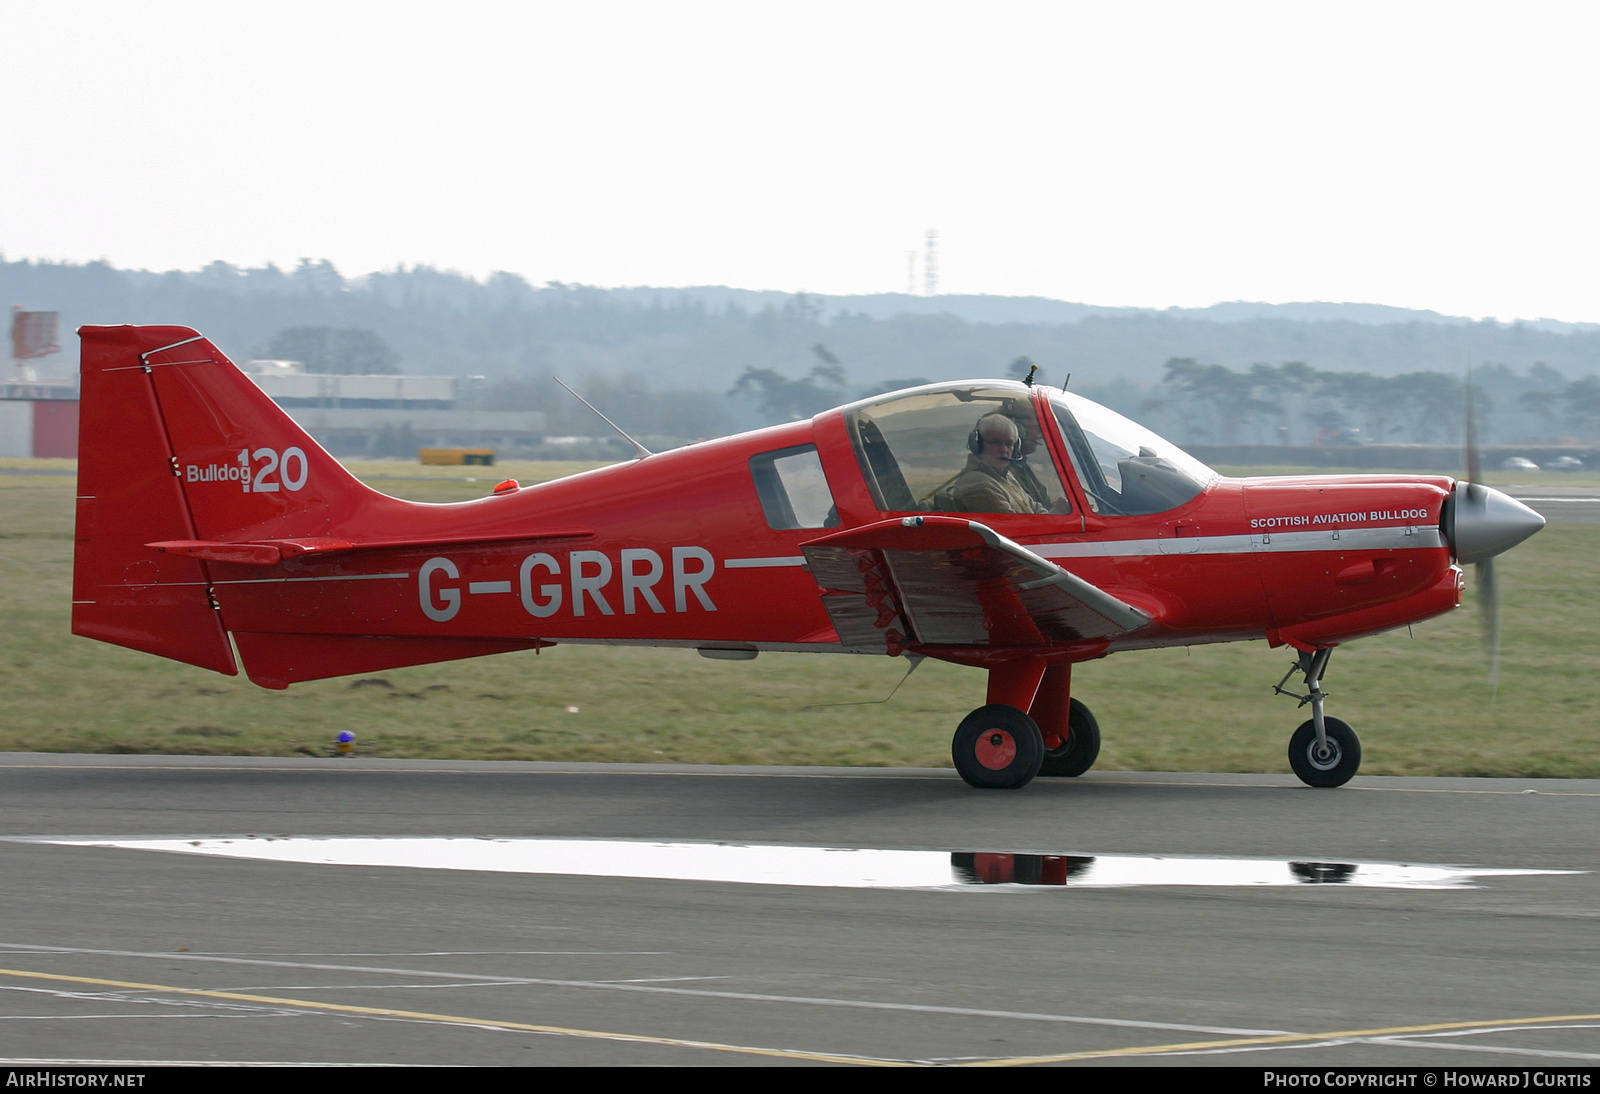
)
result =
(996, 749)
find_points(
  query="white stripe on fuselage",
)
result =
(1400, 537)
(1397, 537)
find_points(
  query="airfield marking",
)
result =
(28, 1061)
(1280, 1039)
(1492, 1050)
(459, 1020)
(1284, 1039)
(651, 989)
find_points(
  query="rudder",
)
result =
(128, 495)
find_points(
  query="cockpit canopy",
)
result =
(923, 450)
(917, 447)
(1125, 469)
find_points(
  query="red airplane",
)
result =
(988, 523)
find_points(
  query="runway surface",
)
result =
(116, 954)
(1558, 503)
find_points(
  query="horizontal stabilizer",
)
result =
(248, 554)
(270, 552)
(278, 660)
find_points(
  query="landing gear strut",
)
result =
(1071, 735)
(1323, 751)
(998, 747)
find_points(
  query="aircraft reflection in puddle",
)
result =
(828, 867)
(1109, 871)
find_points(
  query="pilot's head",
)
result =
(1027, 436)
(996, 442)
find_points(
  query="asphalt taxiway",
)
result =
(116, 954)
(1559, 503)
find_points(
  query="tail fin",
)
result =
(175, 443)
(184, 465)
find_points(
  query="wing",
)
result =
(945, 581)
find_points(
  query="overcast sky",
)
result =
(1423, 155)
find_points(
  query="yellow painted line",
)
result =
(459, 1020)
(814, 1057)
(1276, 1039)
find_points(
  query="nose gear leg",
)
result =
(1323, 751)
(1312, 664)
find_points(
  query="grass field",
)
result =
(1420, 702)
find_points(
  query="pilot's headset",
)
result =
(975, 438)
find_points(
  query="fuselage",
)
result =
(683, 548)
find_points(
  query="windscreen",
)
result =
(1126, 470)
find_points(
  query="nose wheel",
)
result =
(1323, 751)
(1332, 761)
(997, 747)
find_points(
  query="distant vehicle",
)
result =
(989, 523)
(1340, 436)
(1518, 463)
(1564, 463)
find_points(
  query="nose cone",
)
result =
(1484, 522)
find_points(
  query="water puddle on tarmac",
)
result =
(828, 867)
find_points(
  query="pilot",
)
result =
(1021, 470)
(989, 483)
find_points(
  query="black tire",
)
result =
(1081, 750)
(1334, 769)
(997, 747)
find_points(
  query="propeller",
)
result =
(1488, 592)
(1483, 523)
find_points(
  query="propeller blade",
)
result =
(1478, 497)
(1474, 466)
(1489, 607)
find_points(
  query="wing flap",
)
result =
(945, 581)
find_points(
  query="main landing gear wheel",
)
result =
(1082, 747)
(997, 747)
(1333, 765)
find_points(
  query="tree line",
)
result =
(697, 362)
(1294, 403)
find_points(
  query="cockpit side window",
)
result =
(1125, 469)
(793, 490)
(956, 450)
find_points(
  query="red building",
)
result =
(38, 419)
